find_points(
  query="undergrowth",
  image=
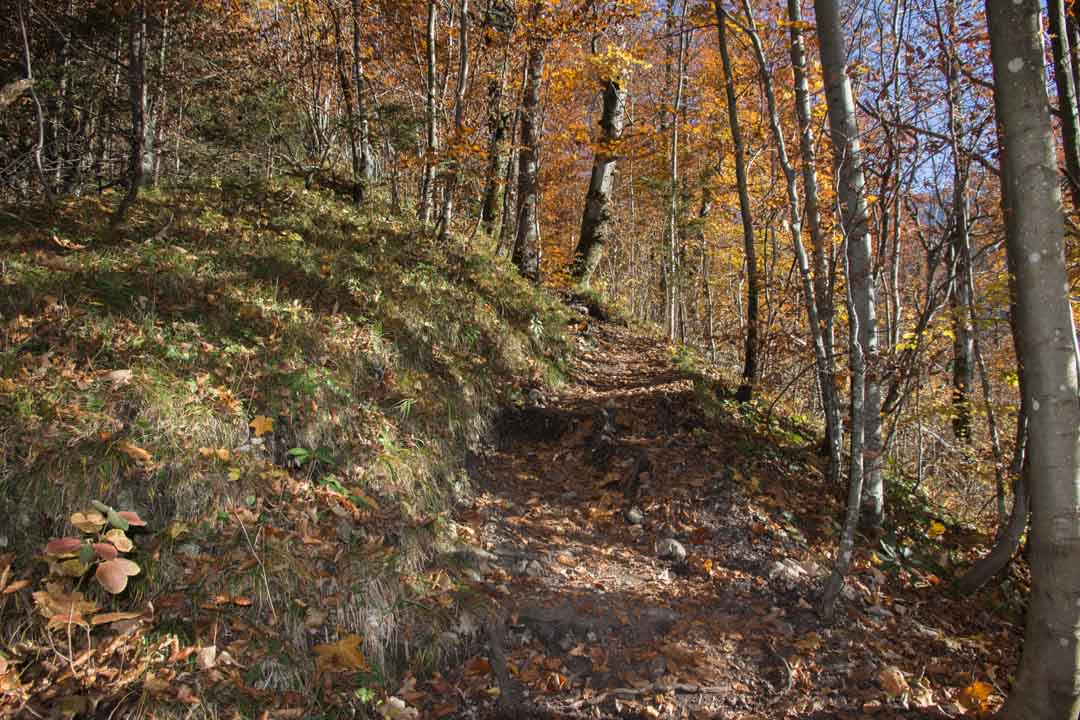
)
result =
(284, 389)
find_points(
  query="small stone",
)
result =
(191, 550)
(567, 642)
(879, 611)
(787, 570)
(344, 531)
(536, 398)
(580, 309)
(634, 516)
(668, 549)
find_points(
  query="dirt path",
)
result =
(647, 565)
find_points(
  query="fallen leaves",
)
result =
(342, 656)
(134, 452)
(262, 425)
(63, 608)
(975, 698)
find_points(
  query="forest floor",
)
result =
(655, 556)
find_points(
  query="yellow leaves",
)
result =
(616, 63)
(262, 425)
(88, 522)
(342, 656)
(975, 698)
(134, 452)
(935, 530)
(119, 540)
(222, 454)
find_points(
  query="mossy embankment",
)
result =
(285, 389)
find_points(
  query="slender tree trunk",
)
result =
(427, 183)
(597, 225)
(526, 254)
(821, 358)
(960, 295)
(1047, 683)
(844, 132)
(497, 126)
(750, 350)
(674, 280)
(363, 132)
(40, 142)
(136, 71)
(1066, 93)
(1005, 546)
(823, 293)
(350, 115)
(447, 213)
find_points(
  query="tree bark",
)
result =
(363, 135)
(427, 183)
(447, 213)
(526, 255)
(497, 126)
(821, 358)
(750, 347)
(597, 225)
(844, 132)
(1066, 95)
(1048, 680)
(136, 72)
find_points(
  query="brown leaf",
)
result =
(107, 618)
(262, 425)
(15, 587)
(134, 452)
(113, 574)
(345, 654)
(893, 681)
(63, 608)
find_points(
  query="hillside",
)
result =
(284, 392)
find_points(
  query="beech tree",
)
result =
(1045, 334)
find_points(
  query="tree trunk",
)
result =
(597, 225)
(526, 254)
(750, 350)
(363, 133)
(823, 292)
(427, 183)
(447, 213)
(39, 144)
(497, 126)
(844, 131)
(821, 358)
(1066, 95)
(136, 71)
(674, 255)
(1048, 681)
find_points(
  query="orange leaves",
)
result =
(262, 425)
(975, 698)
(342, 656)
(134, 452)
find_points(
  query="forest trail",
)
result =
(652, 562)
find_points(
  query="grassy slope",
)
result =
(378, 355)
